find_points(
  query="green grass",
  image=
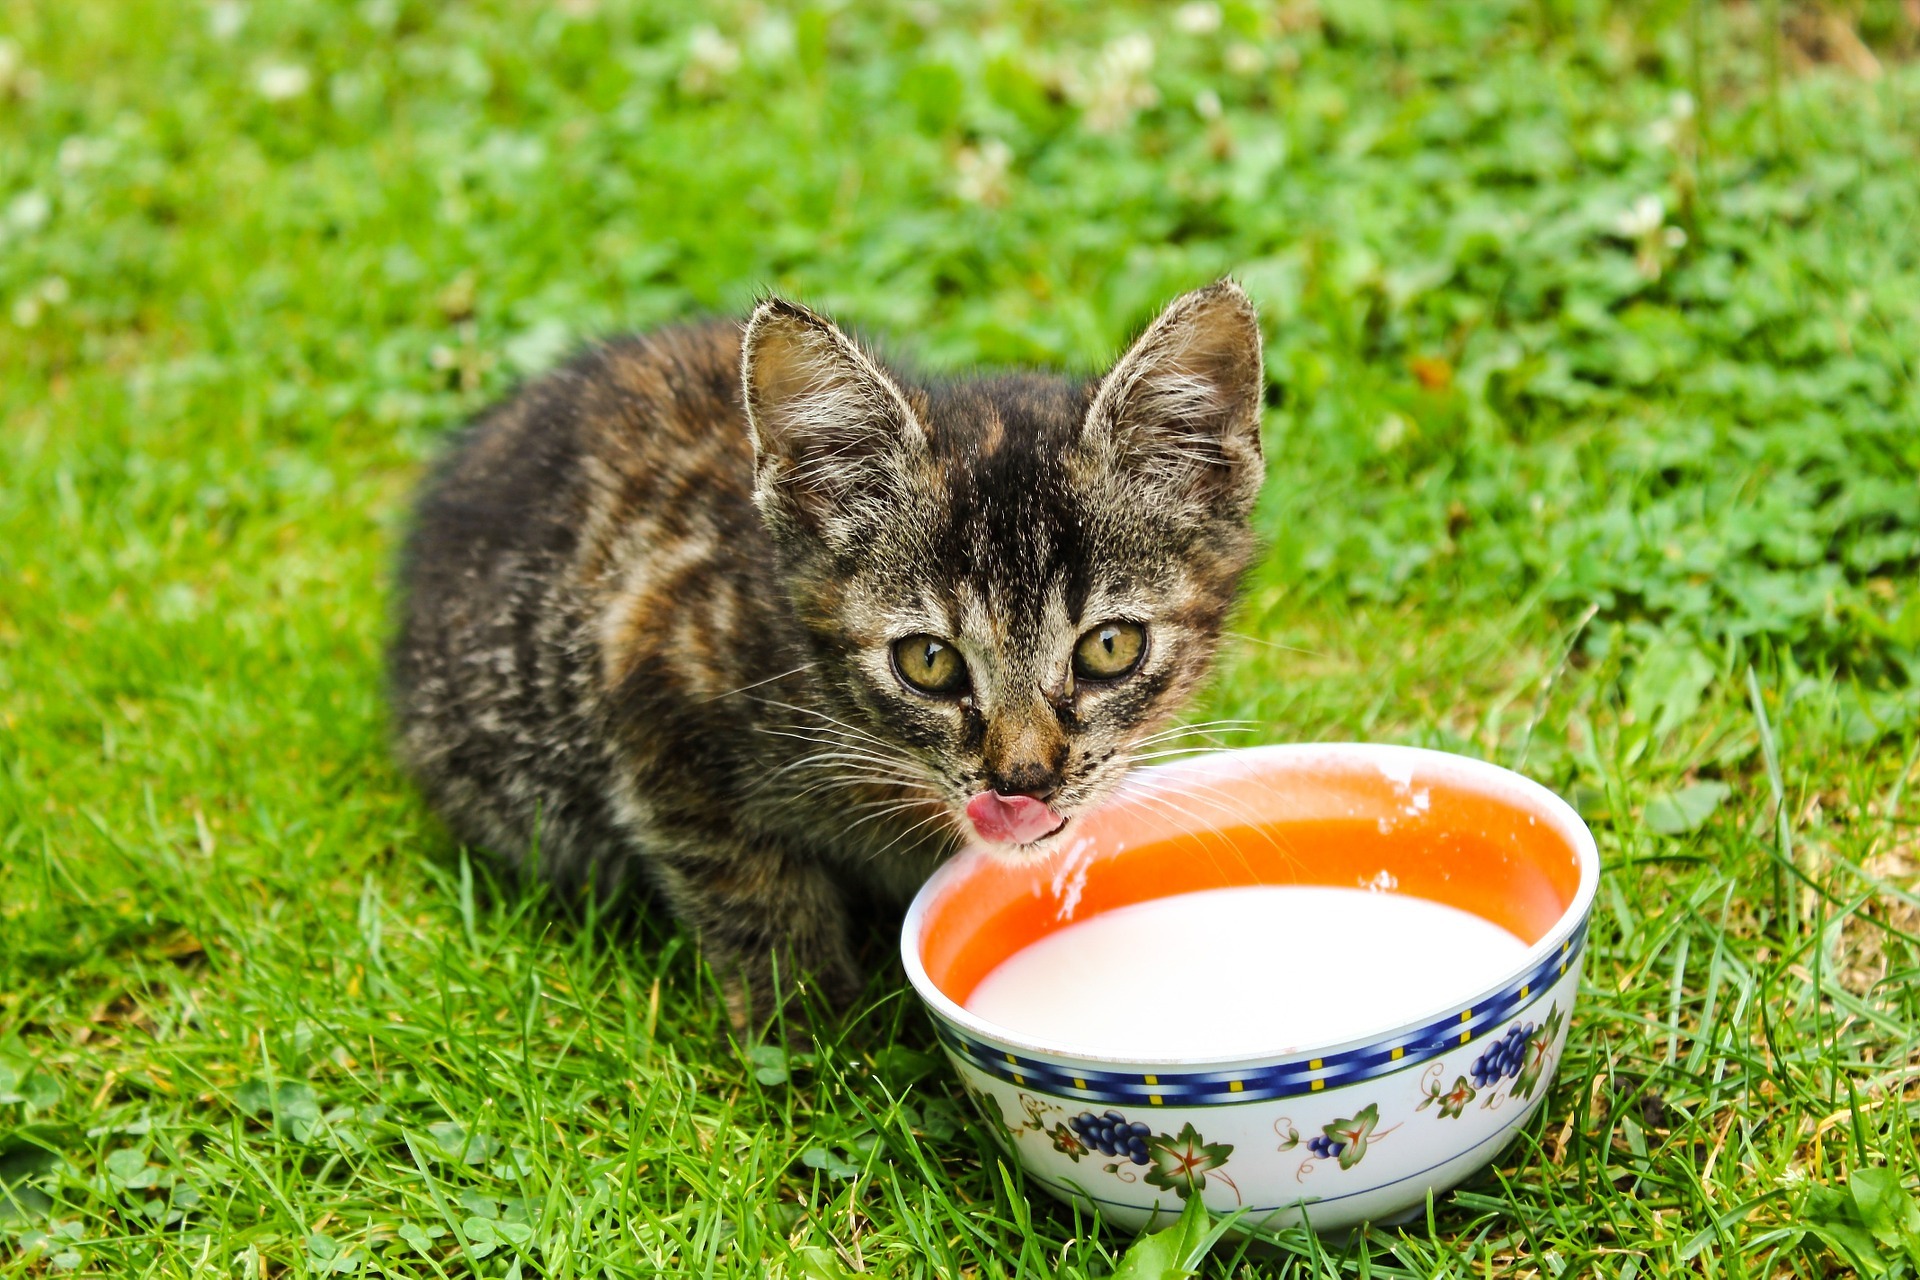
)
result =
(1594, 335)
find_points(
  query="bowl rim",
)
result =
(1534, 797)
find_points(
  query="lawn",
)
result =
(1594, 432)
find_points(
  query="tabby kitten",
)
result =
(774, 627)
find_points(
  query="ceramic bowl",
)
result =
(1335, 1134)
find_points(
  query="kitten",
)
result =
(774, 627)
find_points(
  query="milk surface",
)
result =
(1235, 972)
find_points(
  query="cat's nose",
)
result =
(1025, 752)
(1025, 778)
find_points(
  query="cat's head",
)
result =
(1008, 582)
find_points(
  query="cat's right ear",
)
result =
(827, 422)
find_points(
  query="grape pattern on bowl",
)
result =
(1504, 1057)
(1521, 1055)
(1111, 1134)
(1180, 1163)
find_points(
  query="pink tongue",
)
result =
(1011, 819)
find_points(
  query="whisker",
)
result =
(1227, 808)
(852, 780)
(848, 751)
(810, 733)
(895, 802)
(1274, 644)
(829, 719)
(1204, 750)
(1202, 828)
(885, 811)
(805, 666)
(803, 777)
(1200, 741)
(1186, 726)
(1205, 728)
(906, 834)
(838, 751)
(831, 756)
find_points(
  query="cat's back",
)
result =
(576, 491)
(643, 420)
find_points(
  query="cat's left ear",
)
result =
(1180, 411)
(827, 422)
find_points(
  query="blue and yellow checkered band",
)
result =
(1282, 1080)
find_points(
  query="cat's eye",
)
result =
(930, 665)
(1109, 651)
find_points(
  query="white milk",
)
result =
(1234, 972)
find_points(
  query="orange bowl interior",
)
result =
(1340, 822)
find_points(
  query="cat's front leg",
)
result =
(771, 923)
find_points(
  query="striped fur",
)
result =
(648, 605)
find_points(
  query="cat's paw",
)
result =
(758, 991)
